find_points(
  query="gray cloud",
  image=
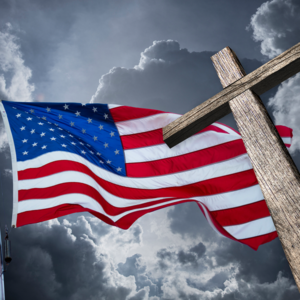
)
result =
(276, 26)
(14, 75)
(62, 261)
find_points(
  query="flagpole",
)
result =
(2, 291)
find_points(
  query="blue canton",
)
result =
(87, 130)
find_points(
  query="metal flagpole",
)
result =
(2, 292)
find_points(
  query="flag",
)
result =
(111, 161)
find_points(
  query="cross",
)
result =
(274, 168)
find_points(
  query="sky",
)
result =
(152, 54)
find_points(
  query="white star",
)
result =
(101, 127)
(59, 128)
(53, 139)
(108, 161)
(25, 153)
(64, 145)
(41, 123)
(98, 153)
(66, 106)
(51, 129)
(70, 135)
(62, 136)
(101, 162)
(119, 169)
(32, 131)
(90, 120)
(83, 152)
(44, 118)
(29, 119)
(60, 116)
(117, 152)
(24, 141)
(18, 115)
(72, 124)
(44, 147)
(112, 134)
(83, 104)
(49, 123)
(94, 109)
(81, 143)
(105, 116)
(105, 145)
(77, 113)
(73, 143)
(48, 109)
(32, 111)
(14, 108)
(83, 130)
(34, 144)
(92, 152)
(43, 133)
(95, 138)
(55, 124)
(88, 145)
(22, 128)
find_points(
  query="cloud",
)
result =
(14, 75)
(63, 261)
(287, 109)
(166, 76)
(276, 24)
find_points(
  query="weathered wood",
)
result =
(259, 81)
(274, 168)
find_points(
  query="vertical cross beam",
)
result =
(275, 170)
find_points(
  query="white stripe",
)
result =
(111, 106)
(226, 128)
(213, 202)
(78, 177)
(146, 123)
(233, 199)
(251, 229)
(287, 140)
(194, 143)
(235, 165)
(83, 200)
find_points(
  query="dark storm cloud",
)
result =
(55, 261)
(183, 257)
(167, 77)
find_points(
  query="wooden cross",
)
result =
(274, 168)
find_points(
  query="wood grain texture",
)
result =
(275, 170)
(259, 81)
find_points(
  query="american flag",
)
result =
(111, 161)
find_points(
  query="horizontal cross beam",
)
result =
(259, 81)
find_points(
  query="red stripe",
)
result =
(284, 131)
(154, 137)
(81, 188)
(187, 161)
(242, 214)
(125, 113)
(207, 187)
(256, 241)
(253, 242)
(31, 217)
